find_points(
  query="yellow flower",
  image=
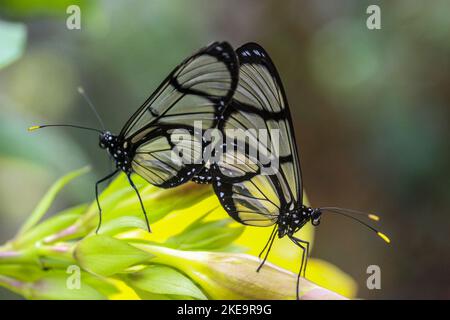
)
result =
(283, 254)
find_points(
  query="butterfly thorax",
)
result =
(121, 155)
(292, 221)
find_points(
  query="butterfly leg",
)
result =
(111, 166)
(305, 255)
(109, 176)
(268, 246)
(140, 201)
(267, 243)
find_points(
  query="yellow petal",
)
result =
(331, 277)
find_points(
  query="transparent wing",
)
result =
(255, 201)
(188, 102)
(254, 187)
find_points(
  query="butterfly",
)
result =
(259, 181)
(197, 90)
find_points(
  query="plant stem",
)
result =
(27, 256)
(12, 284)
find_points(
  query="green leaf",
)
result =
(54, 285)
(118, 191)
(45, 203)
(122, 224)
(21, 9)
(50, 226)
(22, 272)
(120, 200)
(163, 280)
(145, 295)
(102, 285)
(106, 256)
(12, 42)
(210, 235)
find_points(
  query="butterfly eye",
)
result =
(102, 143)
(315, 218)
(315, 222)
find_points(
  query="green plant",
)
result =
(198, 259)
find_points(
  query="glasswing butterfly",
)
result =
(249, 196)
(199, 89)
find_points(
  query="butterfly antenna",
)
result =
(91, 105)
(347, 213)
(371, 216)
(33, 128)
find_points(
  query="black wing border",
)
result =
(267, 61)
(227, 55)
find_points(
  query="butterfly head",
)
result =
(315, 216)
(106, 140)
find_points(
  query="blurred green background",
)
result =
(371, 111)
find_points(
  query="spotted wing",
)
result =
(165, 132)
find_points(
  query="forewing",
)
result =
(189, 101)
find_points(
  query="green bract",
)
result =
(62, 258)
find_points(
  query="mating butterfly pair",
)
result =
(220, 88)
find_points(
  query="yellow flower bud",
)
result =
(234, 276)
